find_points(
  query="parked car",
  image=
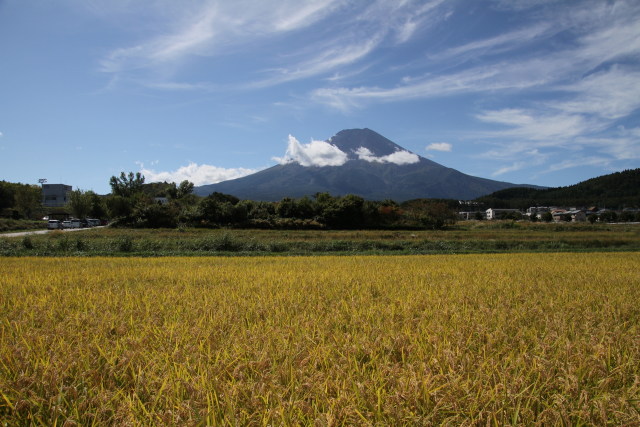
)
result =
(76, 223)
(65, 224)
(93, 222)
(54, 224)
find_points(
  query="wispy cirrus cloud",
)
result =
(608, 95)
(209, 28)
(532, 126)
(498, 44)
(595, 43)
(220, 28)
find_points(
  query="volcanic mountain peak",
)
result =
(355, 161)
(351, 141)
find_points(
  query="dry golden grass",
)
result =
(416, 340)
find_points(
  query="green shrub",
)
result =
(27, 243)
(124, 244)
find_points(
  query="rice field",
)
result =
(493, 339)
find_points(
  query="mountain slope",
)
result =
(372, 179)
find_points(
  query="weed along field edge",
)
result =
(479, 237)
(529, 338)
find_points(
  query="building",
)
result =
(500, 213)
(574, 215)
(55, 195)
(537, 211)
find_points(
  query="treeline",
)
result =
(132, 203)
(614, 191)
(20, 201)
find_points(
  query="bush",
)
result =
(81, 245)
(124, 244)
(27, 243)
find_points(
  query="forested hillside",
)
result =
(614, 191)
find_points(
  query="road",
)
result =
(28, 233)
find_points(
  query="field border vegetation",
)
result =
(473, 237)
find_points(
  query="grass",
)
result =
(520, 339)
(472, 237)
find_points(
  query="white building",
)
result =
(499, 213)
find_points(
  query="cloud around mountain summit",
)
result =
(315, 153)
(323, 153)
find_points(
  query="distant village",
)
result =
(549, 213)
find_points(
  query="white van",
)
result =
(54, 224)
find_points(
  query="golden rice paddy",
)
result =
(365, 340)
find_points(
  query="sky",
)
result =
(525, 91)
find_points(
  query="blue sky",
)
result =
(526, 91)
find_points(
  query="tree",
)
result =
(547, 217)
(7, 192)
(286, 208)
(98, 208)
(608, 216)
(119, 207)
(185, 188)
(156, 215)
(430, 213)
(79, 203)
(28, 199)
(126, 185)
(347, 212)
(215, 211)
(627, 216)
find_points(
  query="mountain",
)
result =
(615, 191)
(376, 168)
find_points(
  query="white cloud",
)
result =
(198, 174)
(399, 157)
(439, 146)
(315, 153)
